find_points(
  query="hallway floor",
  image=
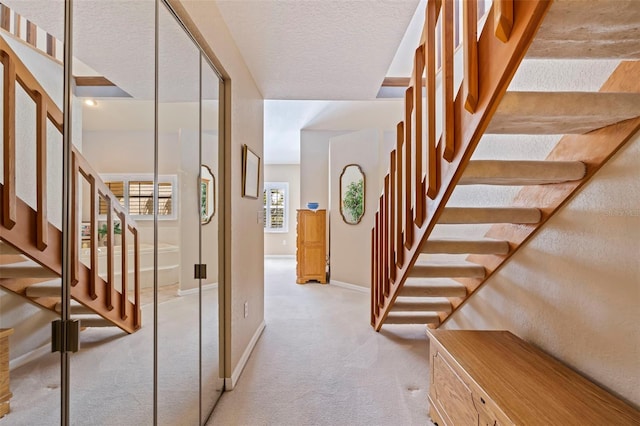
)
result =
(319, 362)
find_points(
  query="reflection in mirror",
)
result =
(211, 348)
(352, 187)
(207, 194)
(178, 310)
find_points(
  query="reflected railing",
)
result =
(95, 292)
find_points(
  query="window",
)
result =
(276, 204)
(135, 194)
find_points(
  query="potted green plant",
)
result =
(117, 233)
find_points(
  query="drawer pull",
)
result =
(482, 400)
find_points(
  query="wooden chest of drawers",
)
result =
(311, 246)
(495, 378)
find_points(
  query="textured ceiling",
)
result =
(318, 49)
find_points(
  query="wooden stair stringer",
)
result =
(594, 149)
(498, 62)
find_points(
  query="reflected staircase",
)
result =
(420, 276)
(31, 246)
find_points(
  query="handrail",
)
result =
(46, 109)
(423, 169)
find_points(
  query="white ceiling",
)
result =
(318, 49)
(301, 50)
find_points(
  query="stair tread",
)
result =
(50, 288)
(88, 320)
(561, 113)
(517, 173)
(77, 308)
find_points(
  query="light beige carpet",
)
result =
(319, 362)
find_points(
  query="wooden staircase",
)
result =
(422, 278)
(31, 246)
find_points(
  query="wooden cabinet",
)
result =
(311, 246)
(494, 378)
(5, 392)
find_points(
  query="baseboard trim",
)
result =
(196, 289)
(350, 286)
(279, 256)
(235, 376)
(30, 356)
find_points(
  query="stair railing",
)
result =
(423, 168)
(46, 109)
(11, 22)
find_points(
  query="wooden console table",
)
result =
(495, 378)
(5, 392)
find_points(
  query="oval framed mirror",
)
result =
(207, 194)
(352, 189)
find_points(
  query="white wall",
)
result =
(574, 289)
(243, 228)
(284, 243)
(350, 245)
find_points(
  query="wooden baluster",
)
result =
(447, 80)
(125, 267)
(9, 151)
(32, 33)
(16, 24)
(51, 46)
(74, 220)
(94, 237)
(432, 12)
(399, 195)
(376, 281)
(387, 241)
(408, 207)
(110, 253)
(392, 215)
(373, 275)
(136, 263)
(470, 34)
(380, 255)
(418, 71)
(503, 19)
(42, 223)
(5, 18)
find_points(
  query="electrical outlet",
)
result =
(246, 309)
(284, 242)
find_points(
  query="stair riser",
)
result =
(26, 272)
(421, 307)
(444, 272)
(433, 292)
(466, 247)
(461, 216)
(418, 319)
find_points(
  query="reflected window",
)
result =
(135, 194)
(276, 204)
